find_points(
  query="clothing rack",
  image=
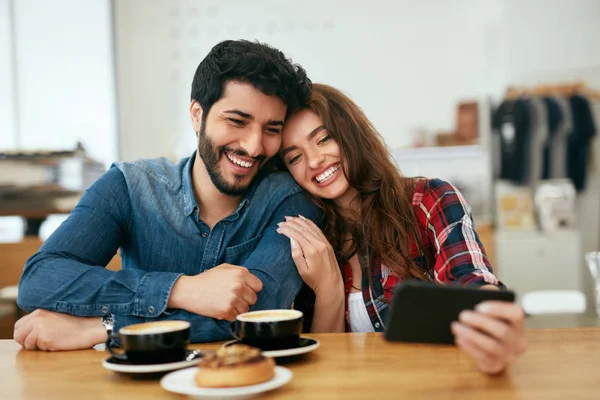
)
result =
(564, 89)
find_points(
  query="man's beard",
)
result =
(211, 157)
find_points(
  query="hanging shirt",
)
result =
(511, 125)
(554, 121)
(578, 144)
(537, 140)
(558, 147)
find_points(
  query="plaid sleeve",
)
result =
(458, 253)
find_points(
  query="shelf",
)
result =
(437, 153)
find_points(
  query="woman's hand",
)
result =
(493, 335)
(315, 259)
(313, 255)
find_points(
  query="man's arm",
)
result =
(67, 288)
(67, 274)
(272, 260)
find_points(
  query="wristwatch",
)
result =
(109, 323)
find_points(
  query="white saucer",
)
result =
(119, 366)
(183, 382)
(307, 345)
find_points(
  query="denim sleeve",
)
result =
(271, 261)
(68, 273)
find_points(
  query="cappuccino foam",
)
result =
(270, 316)
(152, 328)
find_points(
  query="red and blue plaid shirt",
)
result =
(448, 236)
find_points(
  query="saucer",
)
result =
(306, 345)
(183, 382)
(126, 367)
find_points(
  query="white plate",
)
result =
(147, 368)
(308, 345)
(183, 382)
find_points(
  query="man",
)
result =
(198, 239)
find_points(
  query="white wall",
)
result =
(551, 39)
(149, 96)
(65, 76)
(8, 138)
(406, 63)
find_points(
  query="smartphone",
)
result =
(421, 312)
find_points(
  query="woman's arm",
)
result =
(459, 256)
(492, 335)
(329, 312)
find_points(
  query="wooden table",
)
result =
(560, 363)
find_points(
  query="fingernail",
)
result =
(293, 243)
(301, 216)
(456, 327)
(280, 223)
(465, 315)
(483, 307)
(278, 230)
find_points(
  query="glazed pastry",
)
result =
(232, 366)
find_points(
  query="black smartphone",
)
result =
(422, 311)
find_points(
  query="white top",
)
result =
(358, 317)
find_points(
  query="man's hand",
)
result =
(493, 335)
(222, 292)
(51, 331)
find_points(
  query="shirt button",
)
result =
(151, 309)
(104, 309)
(377, 325)
(203, 234)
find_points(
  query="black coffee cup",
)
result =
(152, 342)
(269, 329)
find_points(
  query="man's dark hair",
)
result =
(264, 67)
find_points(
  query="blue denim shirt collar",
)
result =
(189, 197)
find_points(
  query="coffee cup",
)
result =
(152, 342)
(269, 329)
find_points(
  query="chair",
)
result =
(8, 295)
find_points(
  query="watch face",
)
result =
(107, 321)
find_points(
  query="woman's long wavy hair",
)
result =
(385, 225)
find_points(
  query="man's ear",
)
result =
(196, 115)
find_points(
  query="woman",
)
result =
(398, 228)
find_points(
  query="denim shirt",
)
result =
(148, 209)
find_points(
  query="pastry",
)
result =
(235, 365)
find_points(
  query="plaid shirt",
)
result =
(448, 236)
